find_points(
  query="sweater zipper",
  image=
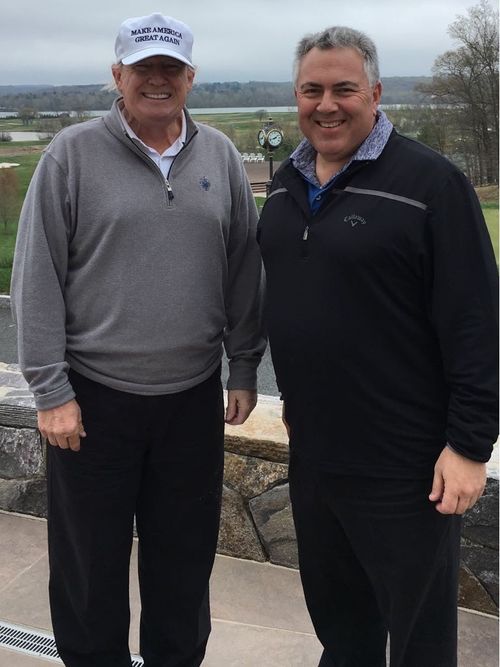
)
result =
(170, 192)
(168, 187)
(305, 234)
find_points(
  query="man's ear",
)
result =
(377, 96)
(116, 71)
(190, 77)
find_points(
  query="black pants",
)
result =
(376, 558)
(160, 458)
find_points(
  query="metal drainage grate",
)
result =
(37, 643)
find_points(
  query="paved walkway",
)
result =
(259, 616)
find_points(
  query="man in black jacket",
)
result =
(381, 311)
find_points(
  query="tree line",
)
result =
(397, 90)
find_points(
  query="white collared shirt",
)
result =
(164, 161)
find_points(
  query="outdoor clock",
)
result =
(270, 137)
(274, 138)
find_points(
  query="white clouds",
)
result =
(58, 42)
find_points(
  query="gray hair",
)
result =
(342, 38)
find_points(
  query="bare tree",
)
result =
(27, 115)
(468, 79)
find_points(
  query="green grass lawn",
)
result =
(27, 163)
(20, 144)
(7, 243)
(17, 125)
(491, 216)
(242, 128)
(243, 120)
(12, 125)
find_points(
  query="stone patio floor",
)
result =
(259, 615)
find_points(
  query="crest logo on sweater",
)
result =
(205, 183)
(354, 219)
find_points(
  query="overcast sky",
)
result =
(66, 42)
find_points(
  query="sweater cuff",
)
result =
(55, 398)
(242, 375)
(478, 458)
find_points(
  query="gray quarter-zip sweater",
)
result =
(130, 279)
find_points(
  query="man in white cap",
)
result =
(136, 260)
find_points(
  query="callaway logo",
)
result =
(354, 219)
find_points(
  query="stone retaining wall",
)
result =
(256, 517)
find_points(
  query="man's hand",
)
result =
(458, 482)
(62, 426)
(240, 403)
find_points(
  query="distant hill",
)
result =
(397, 90)
(401, 89)
(15, 89)
(55, 98)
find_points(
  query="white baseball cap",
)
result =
(154, 35)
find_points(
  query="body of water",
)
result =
(218, 110)
(26, 136)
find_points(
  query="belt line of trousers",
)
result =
(160, 459)
(376, 559)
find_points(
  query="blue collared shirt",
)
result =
(304, 159)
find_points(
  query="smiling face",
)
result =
(336, 104)
(154, 92)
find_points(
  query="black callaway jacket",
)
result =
(382, 314)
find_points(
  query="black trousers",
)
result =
(159, 458)
(375, 559)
